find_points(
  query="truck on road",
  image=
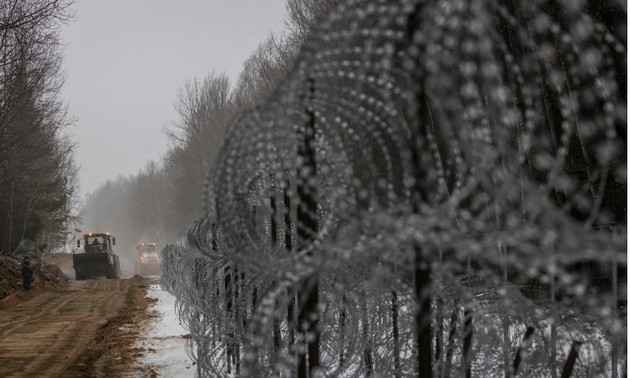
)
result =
(148, 261)
(97, 258)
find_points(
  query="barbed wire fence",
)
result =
(438, 189)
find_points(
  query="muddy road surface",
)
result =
(85, 330)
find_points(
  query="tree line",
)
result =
(161, 201)
(37, 170)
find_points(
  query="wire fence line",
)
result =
(437, 189)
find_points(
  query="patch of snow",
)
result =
(165, 339)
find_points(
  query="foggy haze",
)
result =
(126, 60)
(384, 188)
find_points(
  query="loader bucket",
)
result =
(90, 265)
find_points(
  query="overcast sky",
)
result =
(125, 61)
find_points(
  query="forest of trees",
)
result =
(162, 200)
(37, 170)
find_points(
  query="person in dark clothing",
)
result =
(27, 273)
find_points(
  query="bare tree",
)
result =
(36, 165)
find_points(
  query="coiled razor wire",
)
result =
(437, 189)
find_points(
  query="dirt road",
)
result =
(85, 330)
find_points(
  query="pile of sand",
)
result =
(63, 261)
(46, 275)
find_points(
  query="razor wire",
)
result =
(437, 189)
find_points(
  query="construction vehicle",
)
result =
(97, 259)
(148, 261)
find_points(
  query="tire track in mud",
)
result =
(48, 334)
(53, 302)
